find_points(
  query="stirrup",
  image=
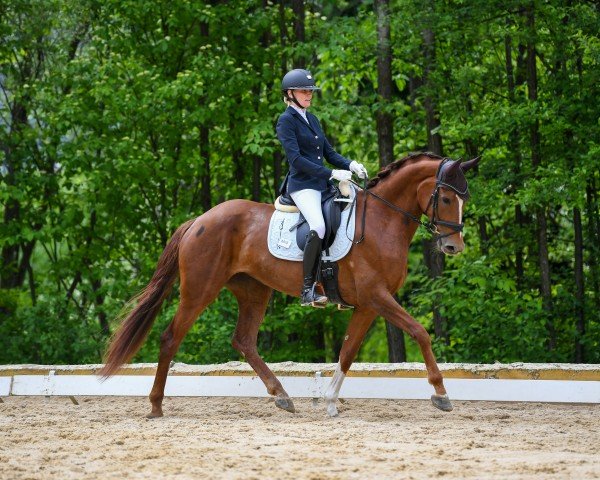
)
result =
(311, 298)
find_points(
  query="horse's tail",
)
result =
(128, 339)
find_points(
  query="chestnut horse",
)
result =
(227, 247)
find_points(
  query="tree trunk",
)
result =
(434, 259)
(265, 42)
(99, 300)
(515, 151)
(523, 221)
(396, 341)
(277, 171)
(579, 276)
(385, 138)
(299, 32)
(278, 161)
(299, 61)
(472, 152)
(385, 122)
(432, 118)
(541, 225)
(593, 226)
(580, 287)
(283, 35)
(10, 272)
(205, 193)
(237, 157)
(25, 265)
(256, 164)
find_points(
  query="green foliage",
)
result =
(294, 333)
(45, 333)
(209, 339)
(103, 110)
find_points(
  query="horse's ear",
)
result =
(469, 164)
(452, 169)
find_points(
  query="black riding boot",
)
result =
(312, 254)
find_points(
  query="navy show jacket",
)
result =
(305, 147)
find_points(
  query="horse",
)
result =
(226, 247)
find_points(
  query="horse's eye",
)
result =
(446, 200)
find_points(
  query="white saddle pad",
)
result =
(282, 242)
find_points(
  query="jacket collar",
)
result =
(294, 112)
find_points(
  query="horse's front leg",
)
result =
(396, 315)
(355, 333)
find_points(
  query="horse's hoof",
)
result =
(154, 414)
(285, 403)
(442, 402)
(332, 409)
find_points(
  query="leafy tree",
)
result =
(121, 120)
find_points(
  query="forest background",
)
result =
(121, 119)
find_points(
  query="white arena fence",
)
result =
(516, 382)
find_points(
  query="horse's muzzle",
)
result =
(450, 246)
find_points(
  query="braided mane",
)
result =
(385, 171)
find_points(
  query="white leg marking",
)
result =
(331, 395)
(460, 212)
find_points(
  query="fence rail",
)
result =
(570, 383)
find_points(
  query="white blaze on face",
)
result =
(460, 212)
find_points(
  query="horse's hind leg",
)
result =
(190, 307)
(253, 297)
(169, 344)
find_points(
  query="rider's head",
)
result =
(297, 86)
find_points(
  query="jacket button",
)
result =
(316, 136)
(318, 158)
(318, 148)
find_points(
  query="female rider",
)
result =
(305, 147)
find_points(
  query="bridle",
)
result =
(434, 199)
(431, 226)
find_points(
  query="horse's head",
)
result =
(443, 198)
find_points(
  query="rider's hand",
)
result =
(340, 175)
(359, 169)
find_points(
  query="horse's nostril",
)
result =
(450, 248)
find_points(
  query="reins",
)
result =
(433, 201)
(364, 216)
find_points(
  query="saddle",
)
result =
(333, 203)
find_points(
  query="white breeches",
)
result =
(309, 203)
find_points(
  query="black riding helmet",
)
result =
(297, 79)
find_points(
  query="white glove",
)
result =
(340, 175)
(359, 169)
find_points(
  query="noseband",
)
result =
(431, 226)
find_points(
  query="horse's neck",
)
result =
(401, 189)
(401, 186)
